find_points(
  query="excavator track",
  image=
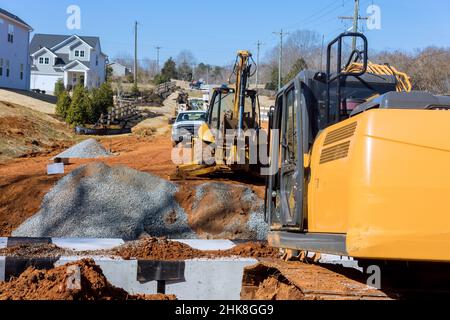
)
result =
(281, 280)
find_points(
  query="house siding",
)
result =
(16, 53)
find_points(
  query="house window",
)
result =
(21, 72)
(41, 60)
(47, 61)
(77, 53)
(1, 67)
(7, 68)
(82, 54)
(96, 60)
(11, 33)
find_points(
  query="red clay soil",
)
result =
(165, 250)
(272, 290)
(58, 284)
(210, 216)
(24, 182)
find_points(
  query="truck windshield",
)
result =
(194, 116)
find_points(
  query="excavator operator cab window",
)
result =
(290, 134)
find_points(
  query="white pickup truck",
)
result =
(186, 125)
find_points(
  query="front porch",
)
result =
(74, 78)
(76, 73)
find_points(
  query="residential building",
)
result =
(71, 58)
(14, 52)
(119, 70)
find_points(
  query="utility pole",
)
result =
(135, 53)
(157, 57)
(280, 58)
(259, 44)
(321, 53)
(356, 17)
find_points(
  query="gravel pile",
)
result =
(97, 201)
(88, 149)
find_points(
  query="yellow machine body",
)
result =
(388, 209)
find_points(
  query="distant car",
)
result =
(197, 104)
(186, 125)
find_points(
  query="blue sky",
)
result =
(215, 30)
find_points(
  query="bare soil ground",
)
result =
(148, 248)
(27, 101)
(59, 284)
(24, 182)
(161, 249)
(28, 133)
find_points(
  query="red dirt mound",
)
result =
(165, 250)
(77, 281)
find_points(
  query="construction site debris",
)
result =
(147, 248)
(34, 251)
(88, 149)
(166, 250)
(98, 201)
(79, 281)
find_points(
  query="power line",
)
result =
(356, 18)
(258, 44)
(280, 58)
(135, 53)
(319, 14)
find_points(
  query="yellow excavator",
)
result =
(361, 165)
(223, 144)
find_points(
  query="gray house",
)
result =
(119, 70)
(74, 59)
(14, 54)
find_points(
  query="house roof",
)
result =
(118, 64)
(83, 63)
(50, 40)
(15, 18)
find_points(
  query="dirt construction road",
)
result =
(24, 182)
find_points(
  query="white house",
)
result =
(119, 70)
(74, 59)
(14, 54)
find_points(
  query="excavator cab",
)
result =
(221, 115)
(350, 168)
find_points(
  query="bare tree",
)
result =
(185, 57)
(429, 68)
(125, 59)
